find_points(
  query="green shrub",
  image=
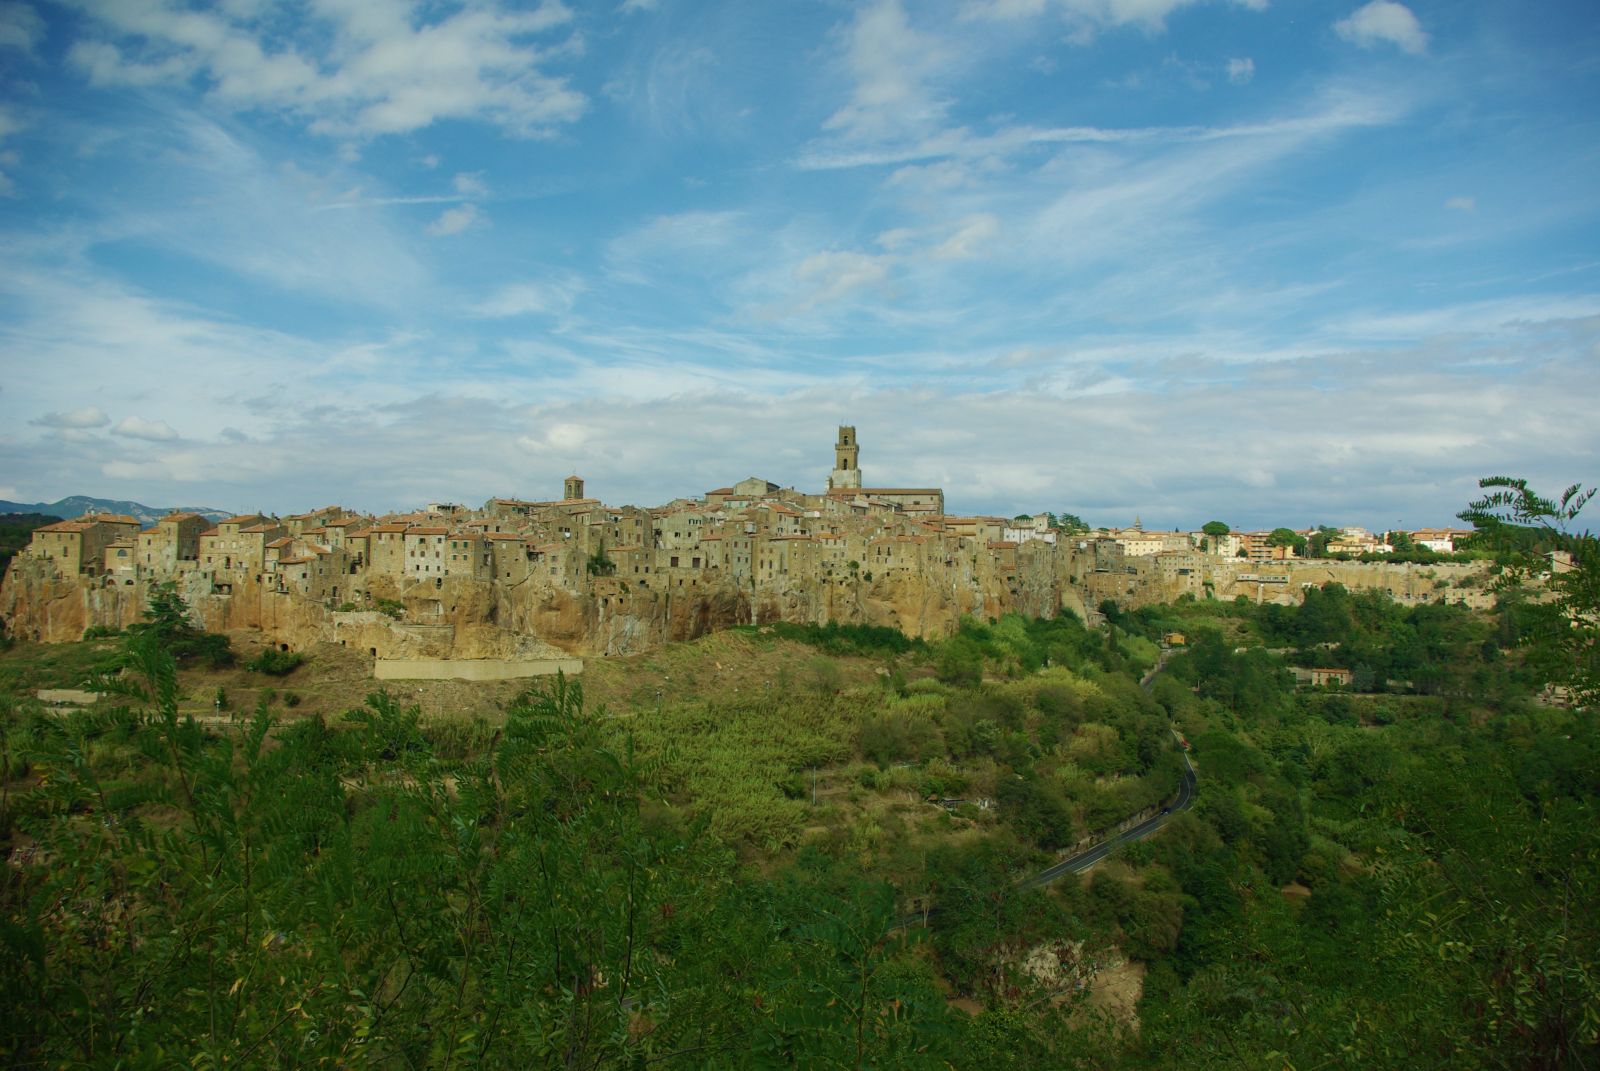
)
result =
(275, 663)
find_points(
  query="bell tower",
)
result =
(572, 489)
(846, 461)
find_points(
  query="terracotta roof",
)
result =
(258, 529)
(283, 542)
(721, 491)
(64, 526)
(295, 561)
(181, 517)
(418, 530)
(359, 533)
(109, 518)
(390, 527)
(502, 537)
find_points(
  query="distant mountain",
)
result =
(78, 505)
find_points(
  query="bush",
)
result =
(276, 663)
(96, 632)
(896, 736)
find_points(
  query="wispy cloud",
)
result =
(88, 417)
(533, 298)
(150, 430)
(362, 69)
(455, 220)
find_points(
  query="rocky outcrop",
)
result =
(477, 619)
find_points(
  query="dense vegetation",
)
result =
(16, 532)
(1397, 877)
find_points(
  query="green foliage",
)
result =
(16, 532)
(1286, 537)
(843, 640)
(1215, 529)
(166, 623)
(561, 888)
(899, 734)
(392, 608)
(598, 564)
(1533, 536)
(275, 663)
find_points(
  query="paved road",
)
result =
(1086, 859)
(1077, 864)
(1182, 802)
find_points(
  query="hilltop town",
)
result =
(518, 580)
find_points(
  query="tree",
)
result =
(600, 565)
(1287, 537)
(1534, 539)
(1215, 529)
(1401, 542)
(1318, 545)
(1071, 522)
(166, 618)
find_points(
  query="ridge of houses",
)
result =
(754, 534)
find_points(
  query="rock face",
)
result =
(467, 618)
(459, 618)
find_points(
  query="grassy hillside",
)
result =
(697, 858)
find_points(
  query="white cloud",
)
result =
(91, 416)
(1462, 204)
(21, 27)
(1384, 22)
(824, 278)
(970, 238)
(1241, 70)
(1089, 16)
(155, 431)
(630, 7)
(454, 220)
(543, 298)
(9, 124)
(893, 67)
(358, 69)
(470, 184)
(223, 201)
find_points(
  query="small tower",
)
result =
(846, 461)
(573, 488)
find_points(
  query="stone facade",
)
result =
(572, 576)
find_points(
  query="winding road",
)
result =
(1087, 858)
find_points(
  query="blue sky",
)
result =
(1261, 261)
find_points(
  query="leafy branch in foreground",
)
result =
(1534, 537)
